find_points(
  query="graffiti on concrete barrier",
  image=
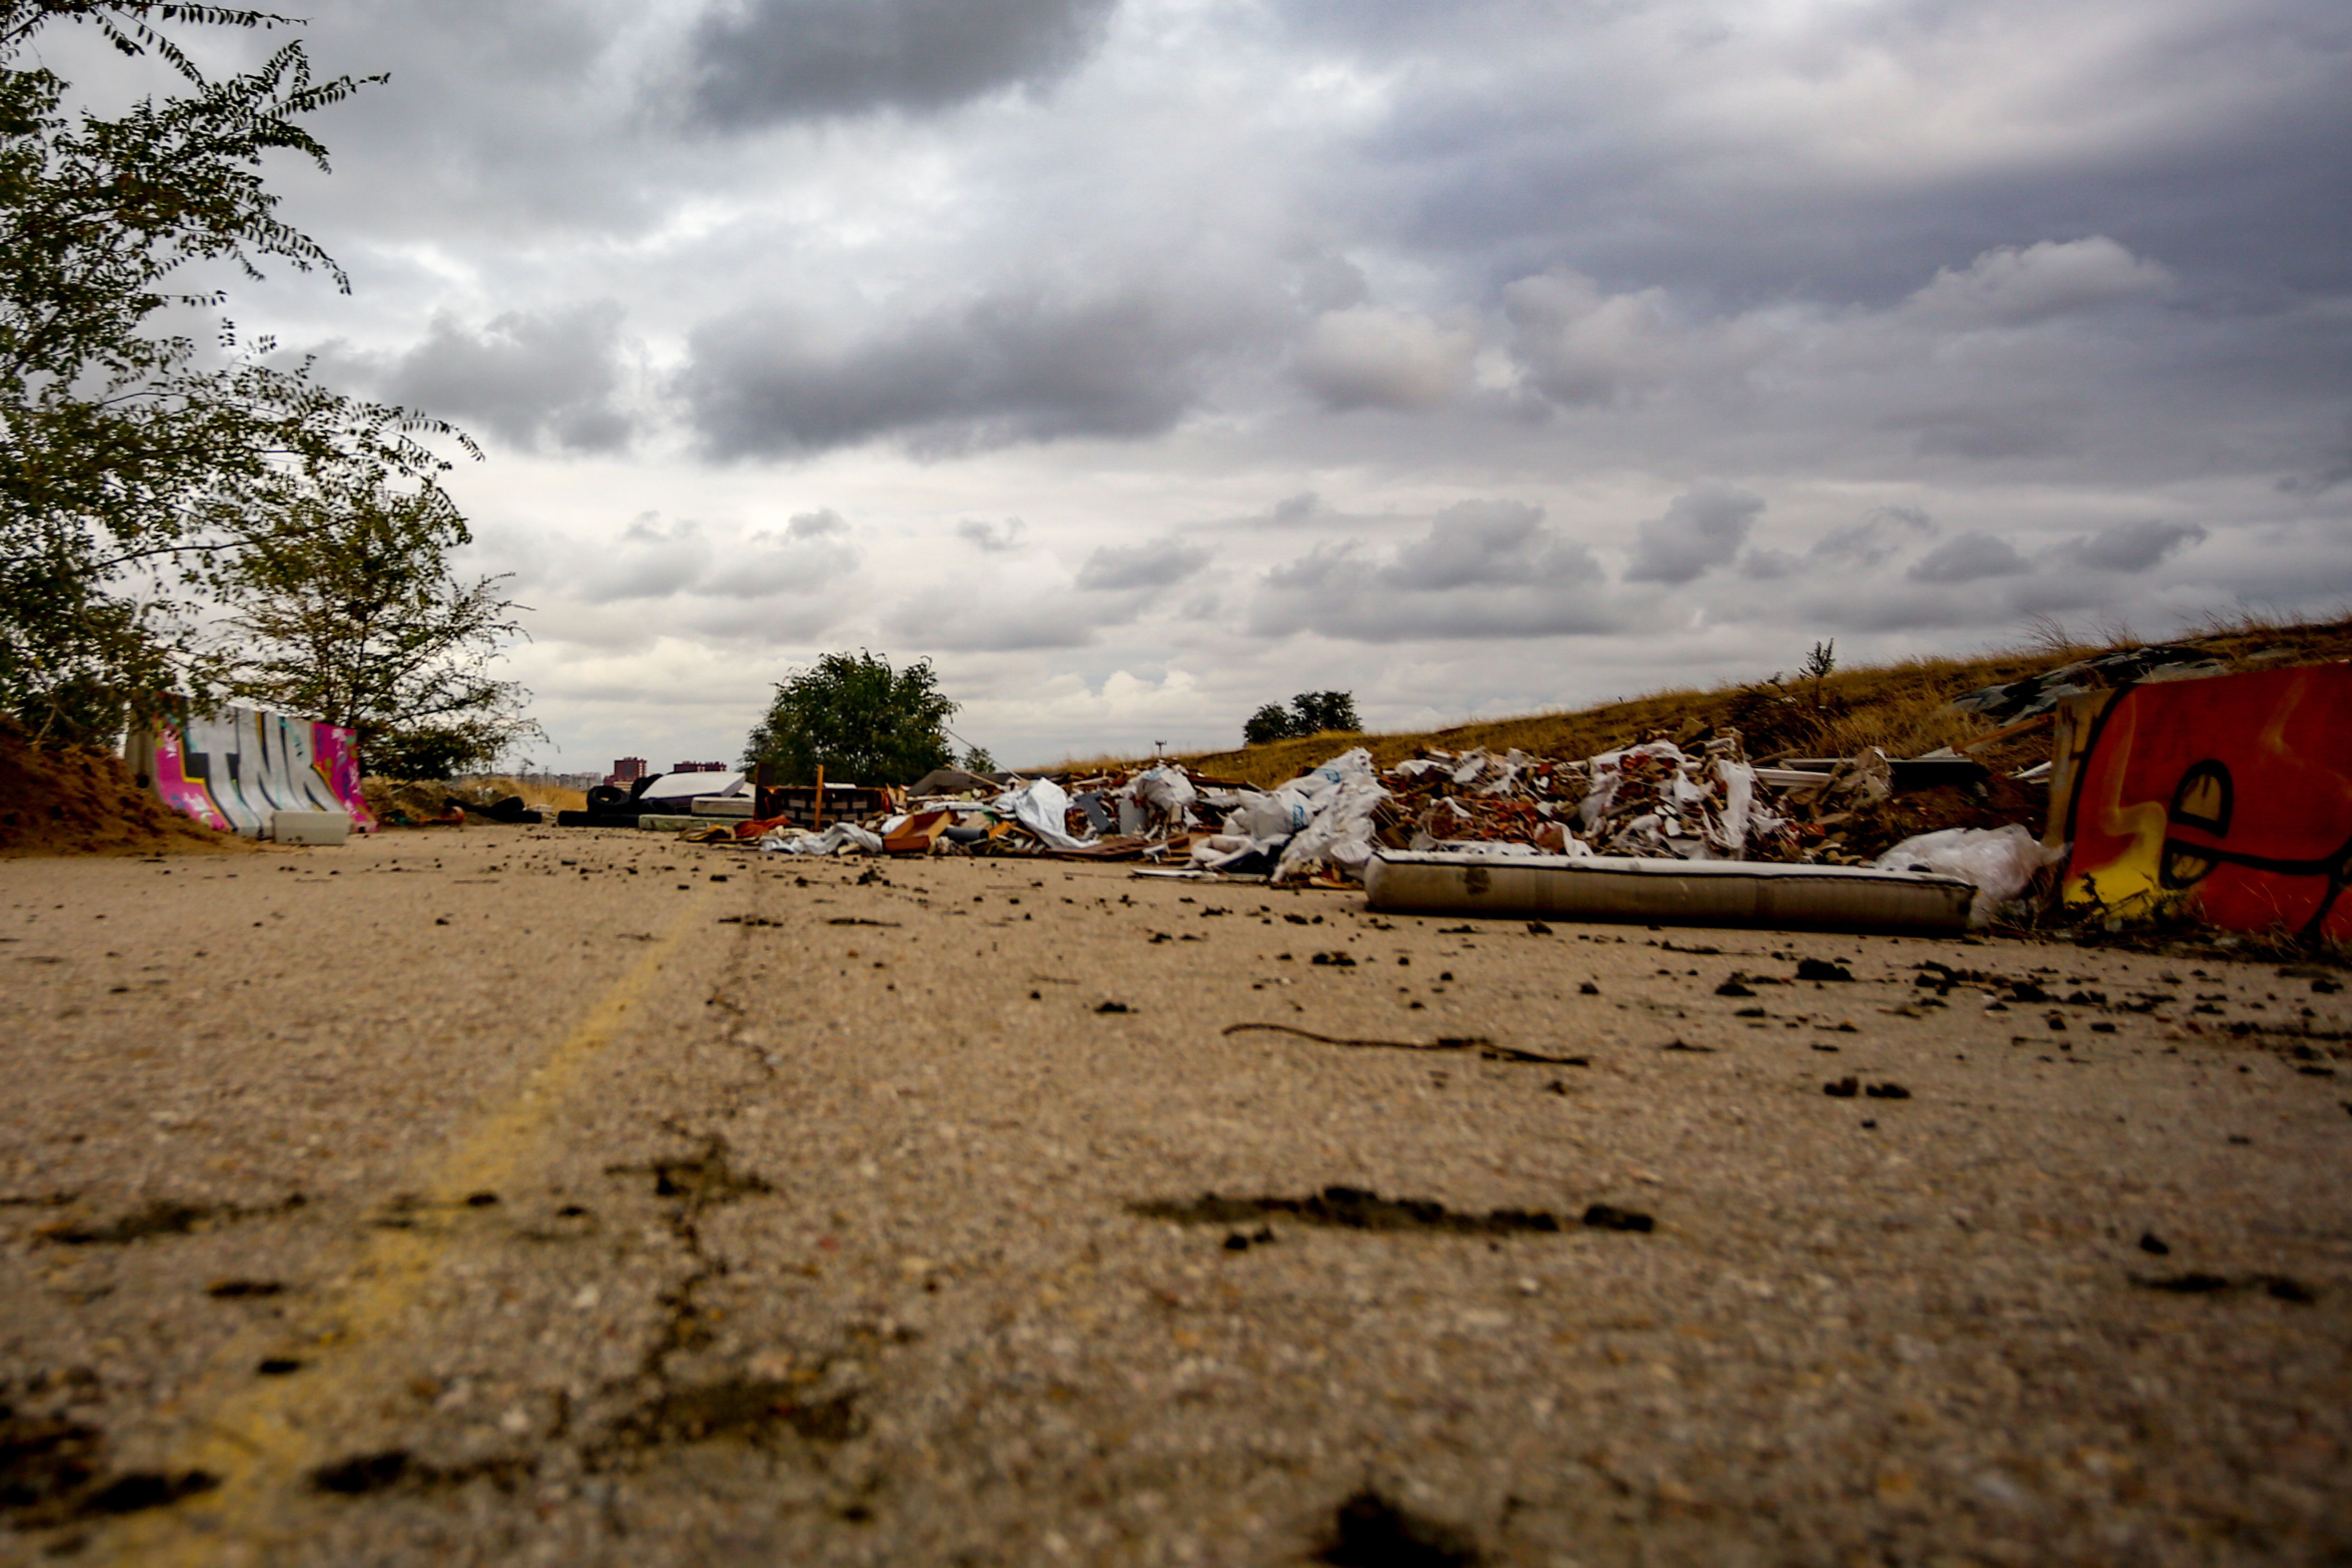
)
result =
(233, 768)
(2228, 797)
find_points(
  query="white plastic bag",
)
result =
(1318, 783)
(1340, 834)
(1999, 861)
(1166, 790)
(1276, 815)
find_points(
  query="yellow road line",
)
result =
(257, 1442)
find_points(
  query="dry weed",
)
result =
(1899, 706)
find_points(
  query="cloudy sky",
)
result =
(1140, 360)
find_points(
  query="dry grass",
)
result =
(1899, 707)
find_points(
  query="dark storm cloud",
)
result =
(1365, 357)
(1521, 135)
(532, 378)
(1484, 569)
(2030, 266)
(957, 619)
(1968, 558)
(513, 122)
(1701, 529)
(993, 539)
(2333, 468)
(1157, 563)
(761, 62)
(650, 559)
(2132, 547)
(1024, 366)
(809, 554)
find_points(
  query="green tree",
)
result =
(1818, 665)
(1313, 713)
(348, 612)
(130, 468)
(978, 759)
(1309, 712)
(858, 719)
(1269, 723)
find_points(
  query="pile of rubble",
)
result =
(1698, 799)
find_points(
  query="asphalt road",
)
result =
(527, 1196)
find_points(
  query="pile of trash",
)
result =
(433, 803)
(1697, 799)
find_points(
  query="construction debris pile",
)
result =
(1678, 824)
(1695, 797)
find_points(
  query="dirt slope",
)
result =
(79, 800)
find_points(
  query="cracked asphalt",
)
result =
(519, 1195)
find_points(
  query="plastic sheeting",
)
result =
(1998, 862)
(833, 841)
(1341, 833)
(1273, 816)
(1165, 790)
(1043, 807)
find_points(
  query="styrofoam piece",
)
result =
(723, 805)
(1669, 891)
(676, 790)
(309, 827)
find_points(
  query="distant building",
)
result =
(697, 767)
(626, 770)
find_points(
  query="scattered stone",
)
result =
(1370, 1531)
(2189, 1284)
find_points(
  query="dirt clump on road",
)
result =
(80, 800)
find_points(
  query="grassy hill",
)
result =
(1899, 706)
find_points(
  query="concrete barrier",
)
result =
(236, 769)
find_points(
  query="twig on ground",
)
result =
(1483, 1047)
